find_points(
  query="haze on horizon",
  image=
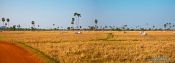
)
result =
(108, 12)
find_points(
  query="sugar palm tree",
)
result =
(72, 22)
(165, 26)
(173, 26)
(5, 24)
(33, 23)
(96, 21)
(8, 20)
(153, 27)
(3, 20)
(78, 15)
(53, 26)
(38, 26)
(75, 15)
(18, 26)
(124, 27)
(169, 24)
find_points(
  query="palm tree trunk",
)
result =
(78, 23)
(34, 27)
(75, 22)
(8, 24)
(72, 27)
(3, 23)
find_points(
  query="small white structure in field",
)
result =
(174, 32)
(142, 33)
(78, 32)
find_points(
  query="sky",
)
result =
(108, 12)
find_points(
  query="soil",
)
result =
(11, 53)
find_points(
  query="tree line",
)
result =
(75, 25)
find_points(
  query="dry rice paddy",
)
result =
(99, 46)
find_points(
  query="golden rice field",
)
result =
(99, 46)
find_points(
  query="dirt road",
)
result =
(10, 53)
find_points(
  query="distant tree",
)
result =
(142, 29)
(8, 20)
(58, 27)
(165, 26)
(124, 27)
(96, 21)
(18, 26)
(110, 27)
(169, 24)
(89, 27)
(3, 20)
(92, 27)
(32, 28)
(173, 26)
(106, 27)
(33, 23)
(68, 28)
(80, 27)
(72, 22)
(53, 26)
(137, 27)
(153, 27)
(38, 26)
(118, 29)
(5, 24)
(14, 27)
(77, 15)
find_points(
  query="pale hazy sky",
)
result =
(108, 12)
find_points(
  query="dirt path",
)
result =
(10, 53)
